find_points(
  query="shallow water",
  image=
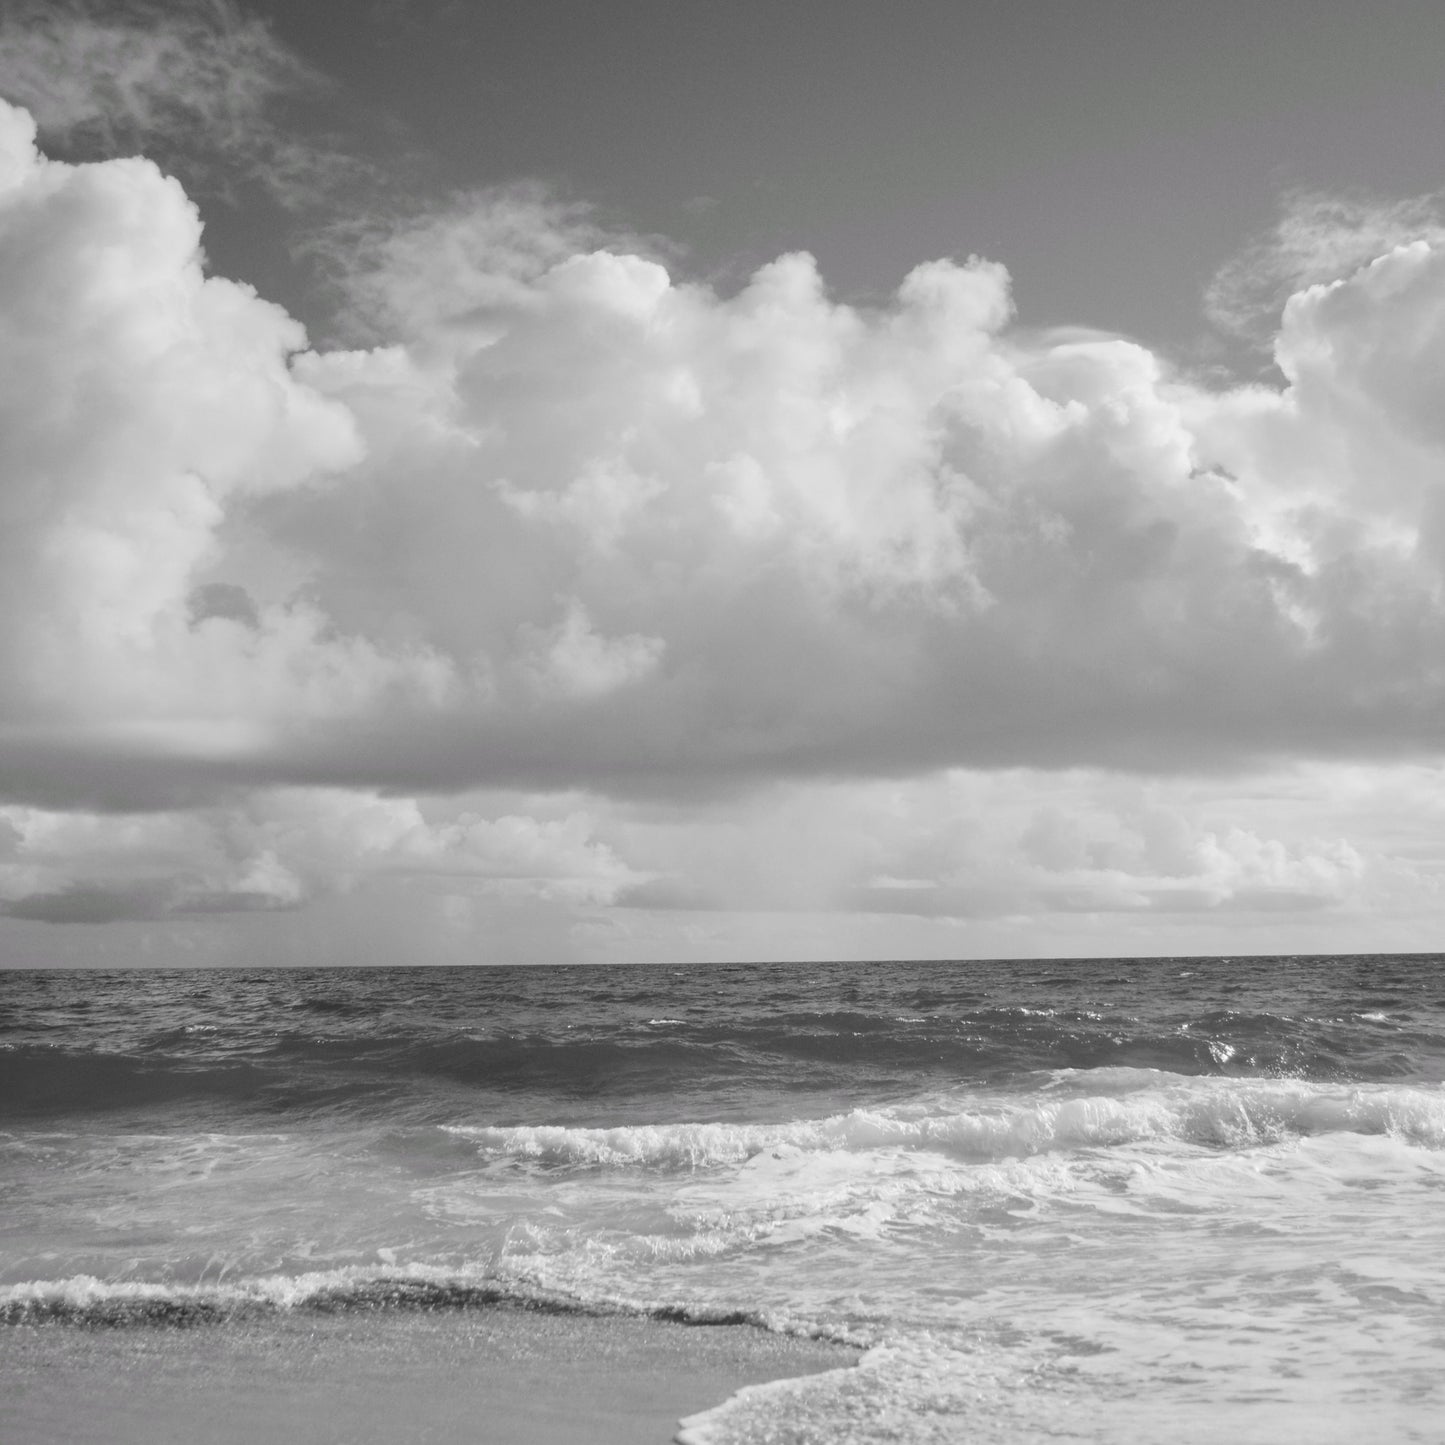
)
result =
(1081, 1200)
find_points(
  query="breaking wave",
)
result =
(86, 1300)
(1218, 1113)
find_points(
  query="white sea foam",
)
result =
(923, 1389)
(1222, 1113)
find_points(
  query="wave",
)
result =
(1220, 1113)
(354, 1061)
(87, 1300)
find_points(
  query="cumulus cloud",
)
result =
(579, 524)
(145, 406)
(877, 540)
(622, 532)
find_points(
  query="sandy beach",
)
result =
(500, 1375)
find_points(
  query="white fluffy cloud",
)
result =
(144, 408)
(582, 525)
(815, 538)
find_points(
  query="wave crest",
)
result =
(1219, 1113)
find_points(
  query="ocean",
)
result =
(1196, 1199)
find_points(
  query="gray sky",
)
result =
(1114, 155)
(765, 481)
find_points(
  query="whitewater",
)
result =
(1105, 1200)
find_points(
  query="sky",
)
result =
(647, 482)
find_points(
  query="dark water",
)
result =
(603, 1045)
(1078, 1192)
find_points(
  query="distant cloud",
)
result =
(279, 849)
(970, 846)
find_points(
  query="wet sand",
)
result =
(499, 1376)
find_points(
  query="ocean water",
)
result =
(1113, 1200)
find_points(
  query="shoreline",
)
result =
(491, 1376)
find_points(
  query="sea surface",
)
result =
(1112, 1200)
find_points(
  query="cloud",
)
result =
(1318, 238)
(880, 540)
(280, 849)
(577, 525)
(453, 268)
(145, 407)
(964, 846)
(200, 84)
(597, 528)
(571, 660)
(980, 846)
